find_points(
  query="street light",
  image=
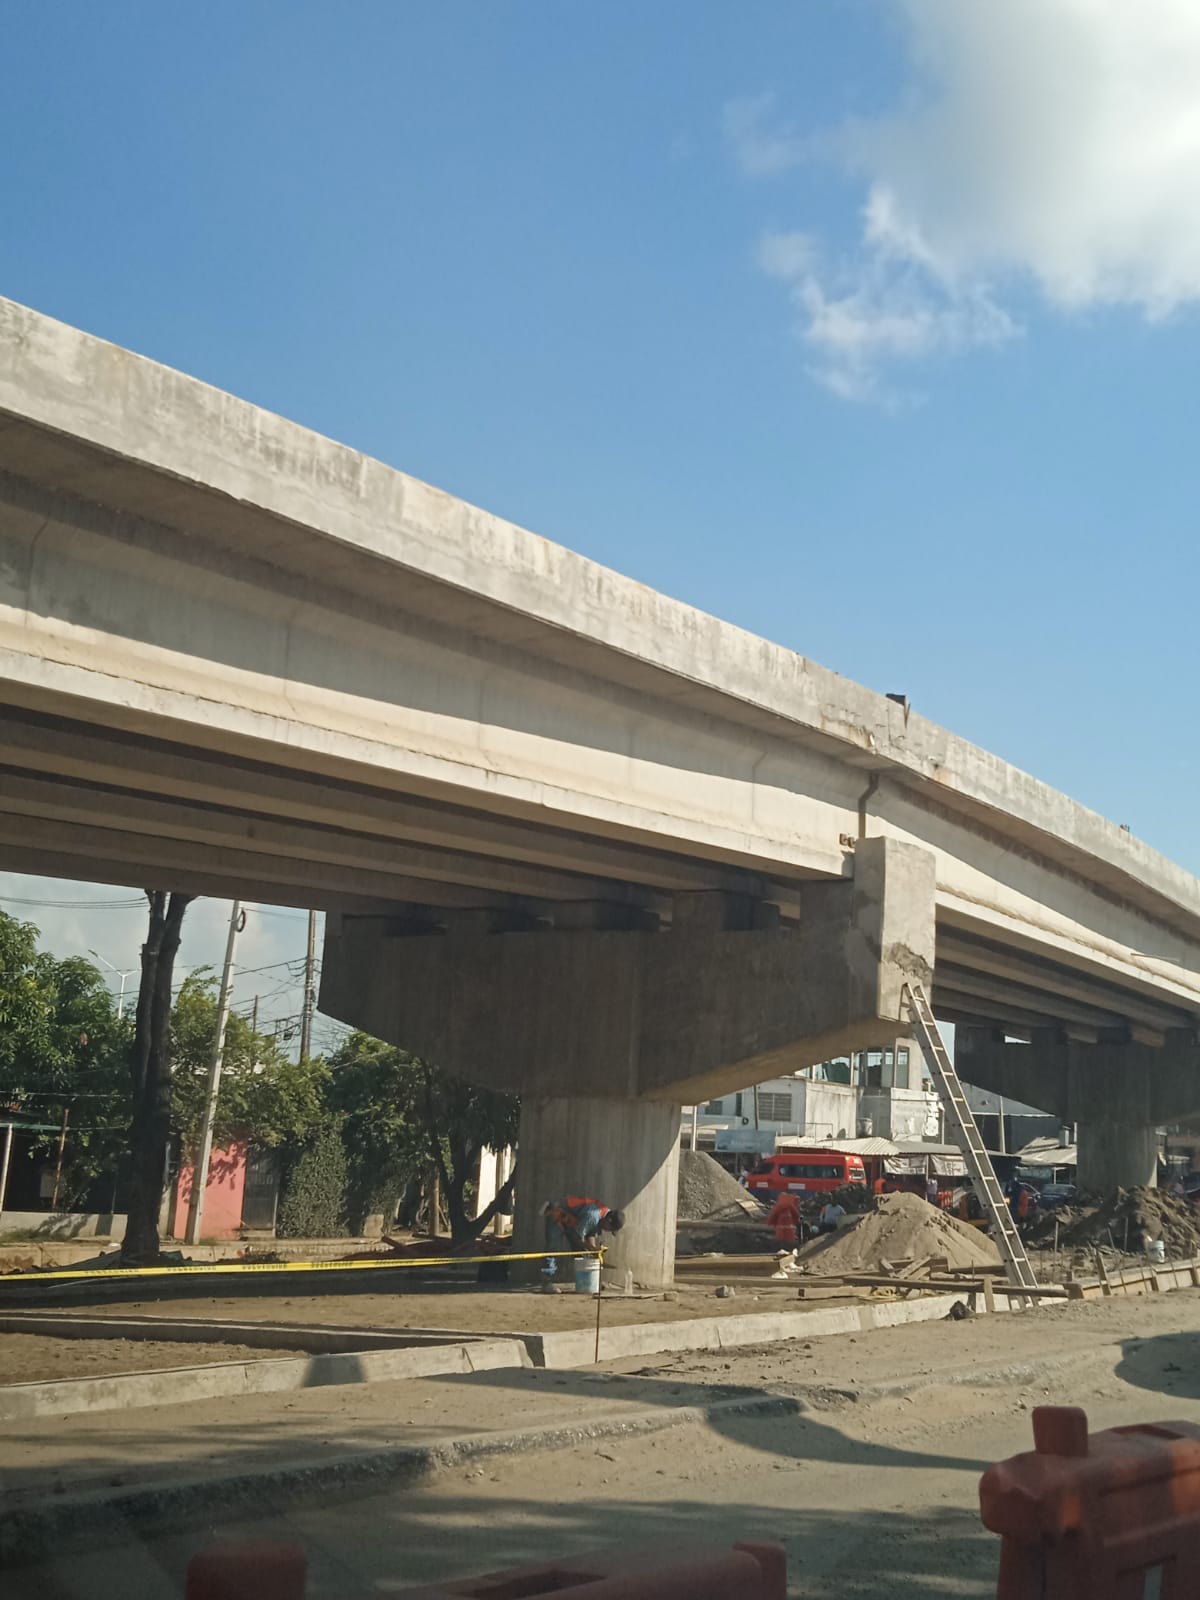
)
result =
(121, 975)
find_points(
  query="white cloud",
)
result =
(1044, 146)
(873, 315)
(762, 143)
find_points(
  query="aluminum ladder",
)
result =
(967, 1137)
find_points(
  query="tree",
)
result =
(63, 1052)
(263, 1091)
(150, 1078)
(404, 1119)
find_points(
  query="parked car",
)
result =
(1056, 1195)
(805, 1172)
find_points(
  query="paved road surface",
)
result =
(873, 1495)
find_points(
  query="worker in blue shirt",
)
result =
(576, 1223)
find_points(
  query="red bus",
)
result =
(805, 1172)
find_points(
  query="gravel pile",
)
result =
(707, 1193)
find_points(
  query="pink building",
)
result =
(223, 1195)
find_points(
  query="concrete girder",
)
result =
(58, 747)
(158, 874)
(300, 844)
(104, 855)
(1017, 1000)
(1138, 970)
(967, 1009)
(956, 950)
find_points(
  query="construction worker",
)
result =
(576, 1223)
(784, 1217)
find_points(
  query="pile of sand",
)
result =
(707, 1193)
(903, 1227)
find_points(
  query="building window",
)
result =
(737, 1105)
(879, 1072)
(774, 1107)
(902, 1059)
(715, 1108)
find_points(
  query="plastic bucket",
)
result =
(1157, 1251)
(587, 1277)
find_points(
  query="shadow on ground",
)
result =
(122, 1455)
(444, 1536)
(1168, 1363)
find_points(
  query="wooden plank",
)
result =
(1102, 1274)
(916, 1266)
(1044, 1291)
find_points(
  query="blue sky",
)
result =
(866, 324)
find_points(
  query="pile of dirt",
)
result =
(902, 1227)
(1129, 1220)
(707, 1193)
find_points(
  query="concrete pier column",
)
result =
(1115, 1153)
(1116, 1093)
(622, 1152)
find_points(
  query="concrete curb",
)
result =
(93, 1517)
(578, 1348)
(61, 1397)
(316, 1339)
(456, 1352)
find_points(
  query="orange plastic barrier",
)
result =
(249, 1570)
(661, 1572)
(746, 1572)
(1103, 1516)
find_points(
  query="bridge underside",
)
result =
(605, 980)
(578, 839)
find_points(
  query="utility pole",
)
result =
(310, 988)
(4, 1165)
(62, 1145)
(237, 921)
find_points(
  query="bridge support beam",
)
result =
(1116, 1092)
(622, 1152)
(637, 1018)
(724, 996)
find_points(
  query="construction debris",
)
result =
(903, 1228)
(1127, 1221)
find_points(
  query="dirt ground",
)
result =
(490, 1311)
(873, 1489)
(32, 1358)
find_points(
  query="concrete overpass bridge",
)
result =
(577, 839)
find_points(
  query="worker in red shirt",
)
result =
(784, 1217)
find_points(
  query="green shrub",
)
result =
(313, 1204)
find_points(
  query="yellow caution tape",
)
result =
(290, 1266)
